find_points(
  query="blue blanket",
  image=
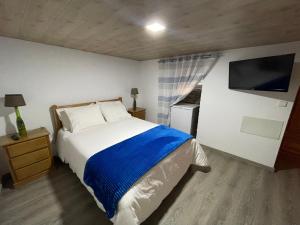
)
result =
(112, 172)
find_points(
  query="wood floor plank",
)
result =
(233, 193)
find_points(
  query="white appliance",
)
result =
(184, 117)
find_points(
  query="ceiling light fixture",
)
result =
(155, 27)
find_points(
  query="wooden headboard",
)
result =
(55, 119)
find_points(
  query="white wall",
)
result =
(221, 109)
(148, 88)
(48, 75)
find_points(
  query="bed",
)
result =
(148, 192)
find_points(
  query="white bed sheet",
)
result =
(146, 194)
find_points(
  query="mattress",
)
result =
(149, 191)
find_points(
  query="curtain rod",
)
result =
(192, 56)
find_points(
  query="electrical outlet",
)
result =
(282, 104)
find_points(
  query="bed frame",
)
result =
(54, 116)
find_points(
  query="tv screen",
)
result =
(263, 74)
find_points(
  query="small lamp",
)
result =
(134, 92)
(16, 100)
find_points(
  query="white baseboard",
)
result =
(271, 169)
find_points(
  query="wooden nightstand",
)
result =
(29, 157)
(138, 112)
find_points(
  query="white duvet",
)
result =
(146, 194)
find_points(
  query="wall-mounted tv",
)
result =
(262, 74)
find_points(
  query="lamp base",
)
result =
(21, 127)
(134, 104)
(20, 124)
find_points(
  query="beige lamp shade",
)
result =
(14, 100)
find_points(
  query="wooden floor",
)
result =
(233, 193)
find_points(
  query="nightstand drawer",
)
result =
(33, 169)
(28, 146)
(138, 112)
(30, 158)
(140, 115)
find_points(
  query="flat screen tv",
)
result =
(262, 74)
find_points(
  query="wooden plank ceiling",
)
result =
(116, 27)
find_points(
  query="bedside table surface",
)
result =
(138, 109)
(32, 134)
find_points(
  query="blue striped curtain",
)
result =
(178, 77)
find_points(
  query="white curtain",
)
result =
(178, 77)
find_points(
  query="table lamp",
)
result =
(16, 100)
(134, 92)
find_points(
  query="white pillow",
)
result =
(63, 117)
(84, 117)
(113, 111)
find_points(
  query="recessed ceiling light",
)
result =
(155, 27)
